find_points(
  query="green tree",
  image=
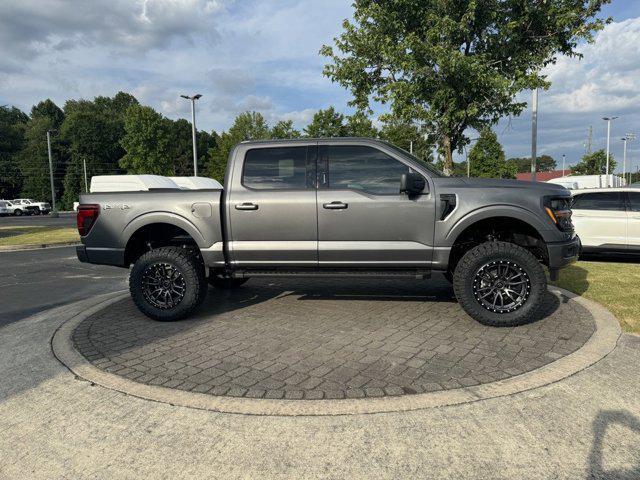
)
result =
(487, 160)
(13, 122)
(326, 123)
(284, 129)
(594, 164)
(405, 135)
(92, 130)
(544, 163)
(147, 141)
(246, 126)
(47, 108)
(360, 125)
(34, 160)
(451, 64)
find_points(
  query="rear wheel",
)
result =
(168, 283)
(17, 212)
(500, 284)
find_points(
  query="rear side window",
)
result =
(599, 201)
(278, 168)
(363, 168)
(634, 200)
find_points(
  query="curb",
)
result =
(601, 343)
(35, 246)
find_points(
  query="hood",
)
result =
(543, 188)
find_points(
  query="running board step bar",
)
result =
(327, 273)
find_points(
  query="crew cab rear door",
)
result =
(271, 206)
(363, 219)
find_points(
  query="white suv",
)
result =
(607, 220)
(31, 207)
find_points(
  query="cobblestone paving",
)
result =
(311, 339)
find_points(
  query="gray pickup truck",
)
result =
(334, 207)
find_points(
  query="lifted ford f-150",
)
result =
(334, 207)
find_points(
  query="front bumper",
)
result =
(563, 253)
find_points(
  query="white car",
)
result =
(608, 220)
(30, 206)
(6, 208)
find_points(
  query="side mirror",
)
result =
(412, 184)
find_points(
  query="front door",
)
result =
(600, 219)
(363, 219)
(272, 208)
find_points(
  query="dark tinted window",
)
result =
(364, 168)
(634, 198)
(277, 168)
(599, 201)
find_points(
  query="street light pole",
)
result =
(563, 158)
(193, 130)
(54, 212)
(534, 133)
(627, 138)
(84, 167)
(608, 120)
(467, 155)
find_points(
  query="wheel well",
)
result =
(156, 235)
(505, 229)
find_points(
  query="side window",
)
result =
(278, 168)
(634, 199)
(599, 201)
(363, 168)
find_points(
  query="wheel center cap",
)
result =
(499, 284)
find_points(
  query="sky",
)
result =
(262, 55)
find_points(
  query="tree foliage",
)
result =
(405, 135)
(247, 126)
(147, 142)
(452, 64)
(12, 126)
(284, 129)
(326, 123)
(544, 163)
(487, 160)
(594, 164)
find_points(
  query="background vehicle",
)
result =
(5, 208)
(332, 207)
(608, 220)
(589, 181)
(29, 206)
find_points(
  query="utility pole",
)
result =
(534, 133)
(84, 167)
(467, 155)
(590, 139)
(563, 158)
(193, 130)
(411, 147)
(54, 212)
(608, 120)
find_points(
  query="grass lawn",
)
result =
(11, 236)
(615, 285)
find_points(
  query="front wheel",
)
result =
(17, 212)
(168, 283)
(500, 284)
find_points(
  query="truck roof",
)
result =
(316, 139)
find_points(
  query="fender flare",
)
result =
(163, 217)
(508, 211)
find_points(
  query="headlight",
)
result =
(559, 210)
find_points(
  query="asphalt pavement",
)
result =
(65, 219)
(35, 280)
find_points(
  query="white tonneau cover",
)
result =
(143, 183)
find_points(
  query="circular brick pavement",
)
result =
(329, 339)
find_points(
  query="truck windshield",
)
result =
(429, 166)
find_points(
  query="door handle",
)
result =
(246, 206)
(335, 206)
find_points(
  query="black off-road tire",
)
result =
(226, 283)
(490, 253)
(192, 275)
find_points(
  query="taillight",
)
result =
(87, 216)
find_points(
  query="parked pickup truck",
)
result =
(334, 207)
